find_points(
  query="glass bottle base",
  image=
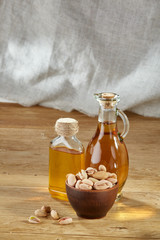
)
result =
(58, 195)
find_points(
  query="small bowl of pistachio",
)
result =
(92, 192)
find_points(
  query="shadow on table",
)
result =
(129, 209)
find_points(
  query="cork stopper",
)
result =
(108, 95)
(107, 100)
(66, 127)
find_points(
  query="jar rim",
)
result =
(107, 96)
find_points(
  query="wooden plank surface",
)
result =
(25, 134)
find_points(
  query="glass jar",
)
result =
(107, 146)
(66, 155)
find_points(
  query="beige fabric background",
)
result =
(57, 53)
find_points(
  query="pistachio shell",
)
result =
(47, 209)
(40, 213)
(65, 220)
(84, 186)
(112, 180)
(78, 176)
(100, 175)
(102, 168)
(113, 175)
(84, 174)
(91, 170)
(100, 187)
(71, 180)
(78, 183)
(54, 214)
(68, 175)
(93, 179)
(88, 182)
(33, 219)
(109, 184)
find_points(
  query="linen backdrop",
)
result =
(57, 53)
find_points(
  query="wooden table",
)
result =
(25, 134)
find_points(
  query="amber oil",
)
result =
(107, 148)
(61, 162)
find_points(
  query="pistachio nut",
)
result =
(78, 183)
(90, 171)
(46, 209)
(108, 183)
(102, 168)
(100, 185)
(82, 175)
(33, 219)
(68, 175)
(113, 175)
(71, 180)
(88, 182)
(112, 180)
(54, 214)
(79, 176)
(40, 213)
(84, 186)
(93, 179)
(65, 220)
(100, 175)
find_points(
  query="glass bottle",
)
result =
(107, 146)
(66, 155)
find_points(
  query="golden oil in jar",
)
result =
(66, 155)
(107, 146)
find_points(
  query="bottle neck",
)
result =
(70, 142)
(108, 115)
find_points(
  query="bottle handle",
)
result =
(125, 122)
